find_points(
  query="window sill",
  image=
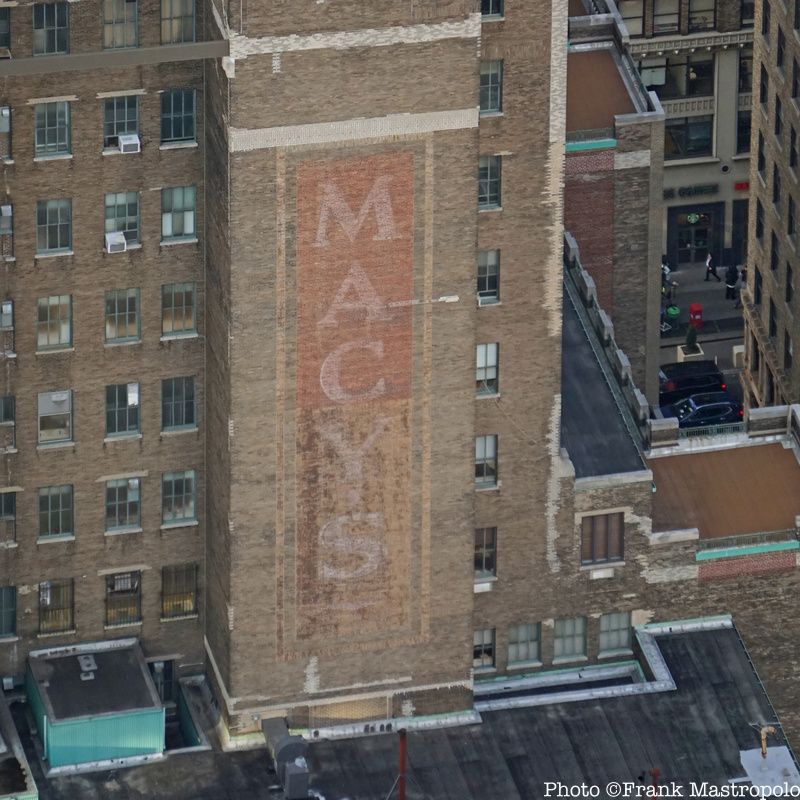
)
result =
(8, 639)
(123, 531)
(570, 660)
(122, 344)
(54, 351)
(623, 651)
(484, 671)
(51, 634)
(69, 537)
(181, 618)
(8, 451)
(169, 337)
(56, 446)
(8, 161)
(524, 664)
(741, 157)
(54, 254)
(490, 305)
(177, 145)
(690, 162)
(487, 396)
(124, 437)
(490, 114)
(601, 565)
(8, 545)
(492, 18)
(118, 625)
(168, 526)
(491, 209)
(57, 157)
(173, 242)
(493, 488)
(179, 431)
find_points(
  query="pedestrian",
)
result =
(731, 276)
(711, 268)
(742, 285)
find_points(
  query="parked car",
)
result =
(708, 408)
(677, 381)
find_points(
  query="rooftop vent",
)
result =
(288, 754)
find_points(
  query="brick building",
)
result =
(771, 375)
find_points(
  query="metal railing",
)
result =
(712, 430)
(748, 539)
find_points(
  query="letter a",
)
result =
(356, 281)
(334, 205)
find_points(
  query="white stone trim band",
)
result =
(244, 140)
(243, 46)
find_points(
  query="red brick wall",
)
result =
(764, 564)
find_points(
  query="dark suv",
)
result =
(676, 381)
(709, 408)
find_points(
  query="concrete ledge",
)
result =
(663, 432)
(773, 419)
(673, 537)
(609, 481)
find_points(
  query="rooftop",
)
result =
(592, 428)
(695, 732)
(120, 679)
(713, 491)
(596, 90)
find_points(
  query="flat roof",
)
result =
(729, 492)
(596, 91)
(120, 680)
(592, 429)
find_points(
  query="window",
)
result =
(122, 409)
(8, 611)
(178, 408)
(746, 70)
(486, 369)
(776, 185)
(485, 552)
(177, 213)
(743, 123)
(8, 516)
(615, 632)
(762, 159)
(120, 116)
(602, 538)
(748, 13)
(763, 88)
(788, 351)
(52, 137)
(177, 21)
(688, 137)
(795, 79)
(178, 497)
(486, 461)
(780, 49)
(702, 15)
(665, 16)
(778, 116)
(122, 215)
(178, 115)
(773, 320)
(759, 221)
(489, 182)
(789, 296)
(757, 287)
(7, 315)
(124, 598)
(57, 606)
(765, 19)
(679, 76)
(50, 28)
(53, 226)
(491, 98)
(5, 27)
(55, 417)
(524, 644)
(492, 8)
(54, 322)
(56, 511)
(570, 637)
(120, 23)
(483, 649)
(7, 423)
(123, 504)
(755, 355)
(179, 591)
(793, 148)
(122, 315)
(633, 13)
(488, 277)
(791, 217)
(178, 309)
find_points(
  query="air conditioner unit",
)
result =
(129, 143)
(116, 243)
(487, 298)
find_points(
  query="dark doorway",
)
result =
(693, 232)
(739, 233)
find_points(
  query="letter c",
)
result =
(330, 379)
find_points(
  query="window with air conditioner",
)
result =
(120, 118)
(124, 598)
(55, 417)
(121, 221)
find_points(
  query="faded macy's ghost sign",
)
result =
(353, 441)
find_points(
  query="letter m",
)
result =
(334, 206)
